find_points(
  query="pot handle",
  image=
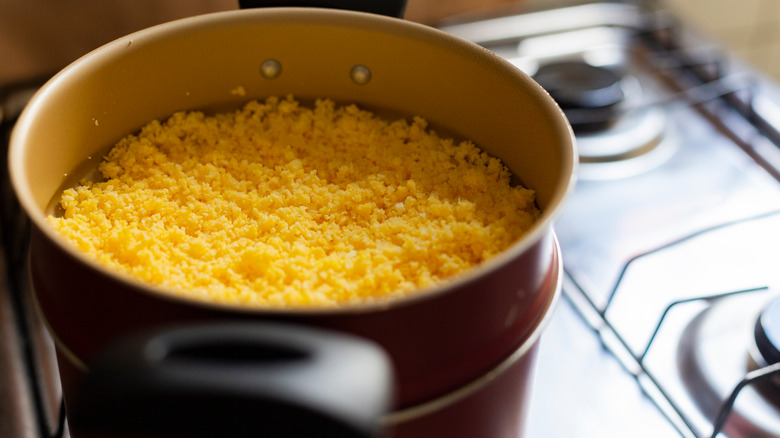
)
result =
(237, 380)
(393, 8)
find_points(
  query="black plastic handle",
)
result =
(237, 380)
(393, 8)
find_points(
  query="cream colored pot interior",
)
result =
(204, 63)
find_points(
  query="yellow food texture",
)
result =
(283, 205)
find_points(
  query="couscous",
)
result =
(280, 204)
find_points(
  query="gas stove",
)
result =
(668, 325)
(669, 322)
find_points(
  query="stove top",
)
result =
(669, 240)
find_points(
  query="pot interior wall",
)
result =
(201, 63)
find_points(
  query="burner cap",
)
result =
(714, 355)
(577, 85)
(767, 332)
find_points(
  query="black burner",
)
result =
(767, 332)
(714, 355)
(589, 95)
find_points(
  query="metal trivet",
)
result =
(635, 363)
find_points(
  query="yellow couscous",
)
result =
(282, 205)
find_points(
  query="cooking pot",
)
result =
(461, 352)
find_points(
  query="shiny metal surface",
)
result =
(583, 391)
(714, 357)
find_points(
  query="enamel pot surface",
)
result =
(437, 341)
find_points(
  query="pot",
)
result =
(445, 344)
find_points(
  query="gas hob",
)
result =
(669, 240)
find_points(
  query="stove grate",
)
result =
(597, 317)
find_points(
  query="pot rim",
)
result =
(378, 23)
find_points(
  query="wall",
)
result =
(751, 28)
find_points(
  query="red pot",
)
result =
(439, 341)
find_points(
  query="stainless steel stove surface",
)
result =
(677, 205)
(669, 241)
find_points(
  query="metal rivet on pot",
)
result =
(270, 69)
(360, 74)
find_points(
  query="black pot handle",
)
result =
(393, 8)
(237, 380)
